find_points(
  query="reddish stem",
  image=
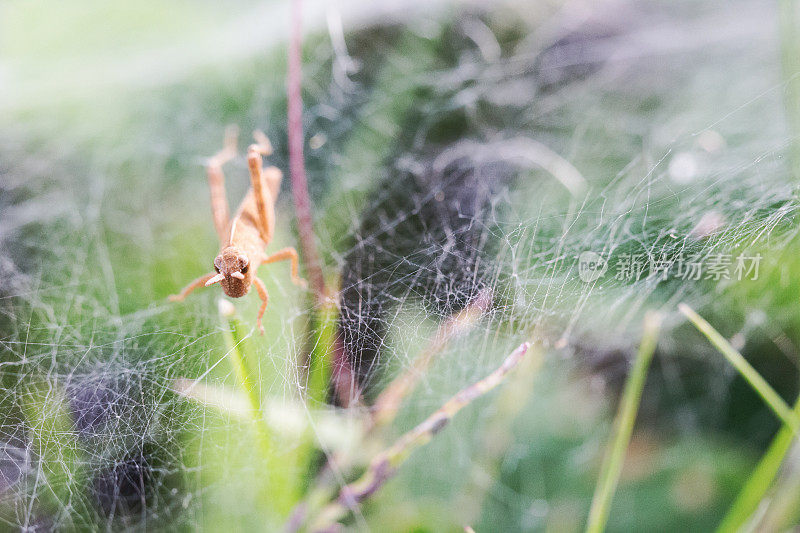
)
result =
(343, 374)
(297, 169)
(345, 382)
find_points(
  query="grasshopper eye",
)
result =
(216, 268)
(245, 269)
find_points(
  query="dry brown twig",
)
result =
(388, 402)
(386, 463)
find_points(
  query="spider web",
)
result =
(452, 157)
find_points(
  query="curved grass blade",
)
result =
(767, 393)
(760, 481)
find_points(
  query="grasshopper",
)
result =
(244, 237)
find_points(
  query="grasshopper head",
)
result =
(233, 272)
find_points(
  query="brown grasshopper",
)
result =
(244, 237)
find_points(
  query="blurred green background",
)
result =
(673, 115)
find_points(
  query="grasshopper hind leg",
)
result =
(264, 198)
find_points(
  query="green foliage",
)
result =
(107, 162)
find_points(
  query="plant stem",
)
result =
(323, 315)
(744, 368)
(623, 427)
(297, 169)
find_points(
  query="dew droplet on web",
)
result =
(711, 141)
(683, 167)
(317, 141)
(709, 224)
(225, 308)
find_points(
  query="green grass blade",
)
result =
(247, 383)
(773, 399)
(278, 490)
(58, 455)
(760, 480)
(321, 357)
(623, 427)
